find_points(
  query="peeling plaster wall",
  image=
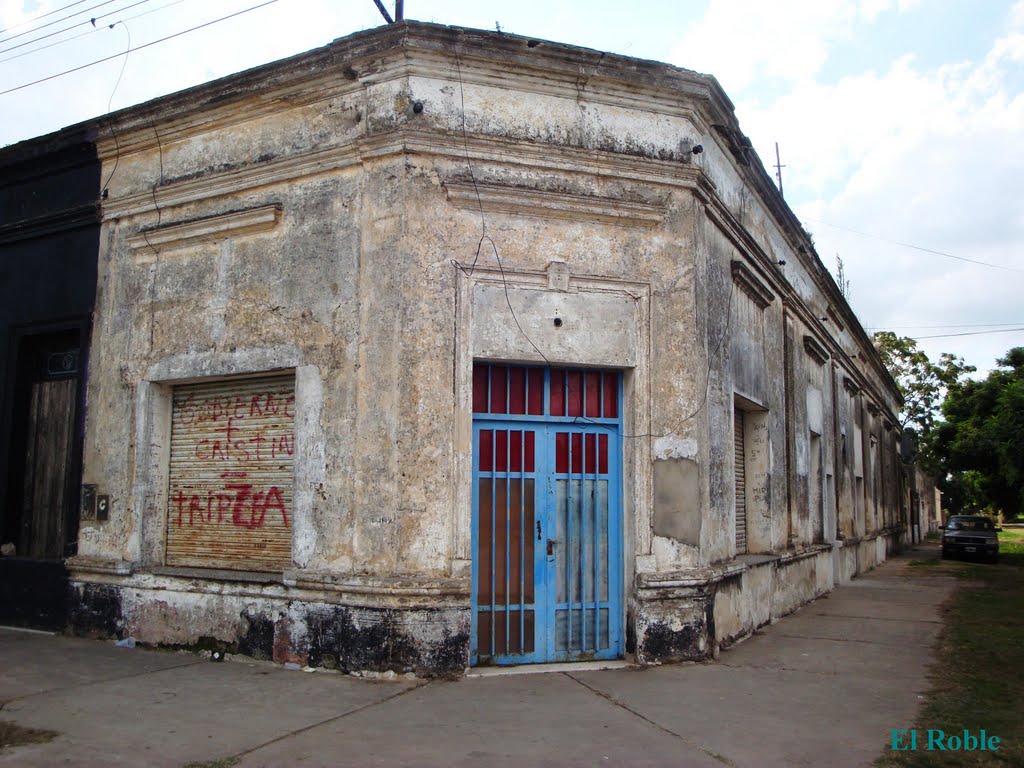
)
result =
(403, 188)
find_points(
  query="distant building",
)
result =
(436, 347)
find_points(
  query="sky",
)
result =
(899, 122)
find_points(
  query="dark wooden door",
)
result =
(47, 483)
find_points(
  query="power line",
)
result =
(969, 333)
(58, 21)
(65, 29)
(947, 325)
(91, 31)
(139, 48)
(43, 16)
(915, 247)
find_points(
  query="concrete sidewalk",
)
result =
(823, 686)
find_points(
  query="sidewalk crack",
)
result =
(621, 705)
(343, 715)
(87, 683)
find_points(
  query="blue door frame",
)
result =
(547, 524)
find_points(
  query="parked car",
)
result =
(970, 536)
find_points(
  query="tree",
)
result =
(981, 440)
(922, 383)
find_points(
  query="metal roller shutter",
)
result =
(741, 486)
(230, 489)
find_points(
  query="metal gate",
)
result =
(547, 515)
(230, 479)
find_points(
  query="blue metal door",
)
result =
(547, 522)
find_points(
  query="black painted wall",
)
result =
(49, 241)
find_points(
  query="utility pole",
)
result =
(399, 11)
(778, 167)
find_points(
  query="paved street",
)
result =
(823, 686)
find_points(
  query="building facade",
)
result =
(49, 235)
(436, 347)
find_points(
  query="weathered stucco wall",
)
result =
(376, 215)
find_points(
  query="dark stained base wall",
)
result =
(33, 593)
(673, 628)
(426, 642)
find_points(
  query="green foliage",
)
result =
(922, 383)
(981, 441)
(976, 679)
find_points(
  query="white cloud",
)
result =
(927, 156)
(740, 41)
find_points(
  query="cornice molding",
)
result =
(817, 352)
(526, 201)
(743, 277)
(149, 242)
(39, 226)
(562, 160)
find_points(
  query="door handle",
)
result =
(551, 547)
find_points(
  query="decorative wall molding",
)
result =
(750, 285)
(68, 219)
(816, 351)
(148, 242)
(834, 317)
(850, 385)
(523, 201)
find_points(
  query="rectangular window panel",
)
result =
(573, 633)
(535, 391)
(481, 376)
(505, 565)
(610, 394)
(499, 389)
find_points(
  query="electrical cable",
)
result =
(704, 399)
(145, 235)
(914, 247)
(968, 325)
(139, 48)
(484, 237)
(969, 333)
(43, 16)
(110, 102)
(58, 21)
(77, 24)
(91, 31)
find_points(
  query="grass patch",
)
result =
(14, 735)
(224, 762)
(978, 676)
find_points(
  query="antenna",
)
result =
(778, 167)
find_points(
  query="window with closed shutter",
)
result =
(741, 485)
(230, 474)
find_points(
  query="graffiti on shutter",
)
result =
(229, 501)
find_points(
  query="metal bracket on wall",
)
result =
(88, 505)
